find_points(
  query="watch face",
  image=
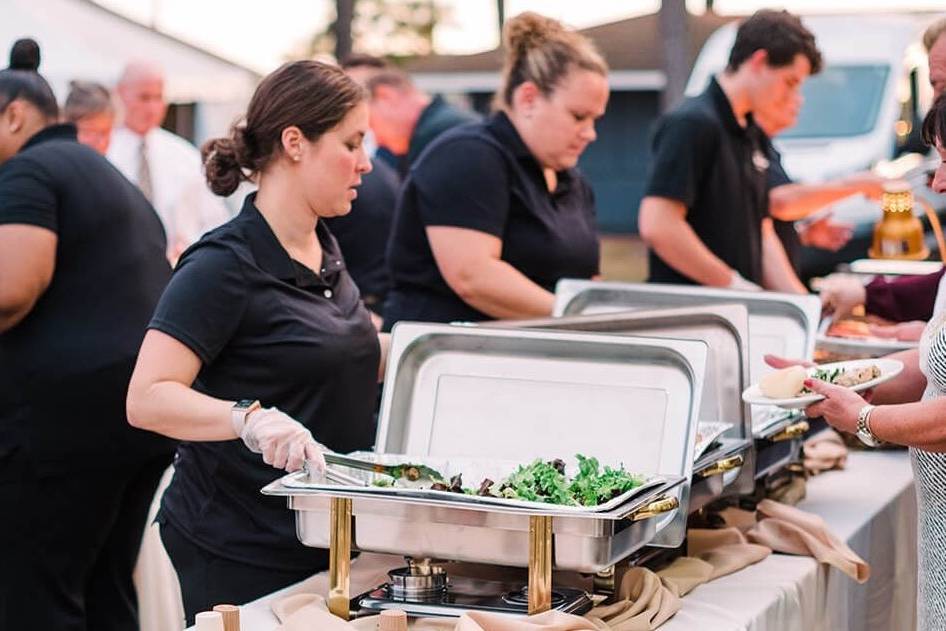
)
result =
(866, 438)
(244, 403)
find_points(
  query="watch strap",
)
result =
(240, 411)
(864, 432)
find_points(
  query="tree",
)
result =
(341, 28)
(400, 28)
(676, 50)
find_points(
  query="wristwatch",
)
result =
(864, 432)
(240, 410)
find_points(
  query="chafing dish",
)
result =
(728, 468)
(473, 392)
(779, 324)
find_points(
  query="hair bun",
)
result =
(529, 30)
(24, 55)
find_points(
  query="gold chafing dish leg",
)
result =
(339, 563)
(540, 564)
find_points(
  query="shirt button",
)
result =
(327, 293)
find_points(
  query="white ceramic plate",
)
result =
(889, 368)
(894, 267)
(706, 433)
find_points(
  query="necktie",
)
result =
(144, 171)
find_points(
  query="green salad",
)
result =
(546, 481)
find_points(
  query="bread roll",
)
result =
(785, 383)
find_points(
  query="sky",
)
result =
(260, 35)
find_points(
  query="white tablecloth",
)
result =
(871, 505)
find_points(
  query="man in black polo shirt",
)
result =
(705, 210)
(404, 119)
(796, 207)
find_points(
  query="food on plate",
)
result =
(849, 328)
(789, 382)
(849, 377)
(546, 482)
(785, 383)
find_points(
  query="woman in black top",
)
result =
(81, 268)
(494, 213)
(262, 311)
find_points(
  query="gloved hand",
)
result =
(841, 294)
(740, 283)
(284, 442)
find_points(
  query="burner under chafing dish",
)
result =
(417, 582)
(520, 598)
(461, 594)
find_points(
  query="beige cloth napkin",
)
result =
(824, 451)
(793, 531)
(646, 600)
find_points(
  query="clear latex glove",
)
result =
(841, 294)
(740, 283)
(283, 441)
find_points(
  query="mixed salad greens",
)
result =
(547, 482)
(841, 377)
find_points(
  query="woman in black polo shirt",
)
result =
(81, 269)
(262, 311)
(494, 214)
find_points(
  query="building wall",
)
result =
(616, 163)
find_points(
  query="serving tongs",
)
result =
(407, 471)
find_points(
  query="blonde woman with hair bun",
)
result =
(493, 214)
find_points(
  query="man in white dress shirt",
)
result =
(165, 167)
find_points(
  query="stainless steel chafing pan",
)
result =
(780, 324)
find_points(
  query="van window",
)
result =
(840, 101)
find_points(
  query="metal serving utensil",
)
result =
(408, 471)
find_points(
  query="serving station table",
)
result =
(871, 505)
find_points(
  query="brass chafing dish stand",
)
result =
(728, 467)
(779, 324)
(475, 393)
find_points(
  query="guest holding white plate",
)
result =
(909, 410)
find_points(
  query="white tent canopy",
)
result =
(82, 40)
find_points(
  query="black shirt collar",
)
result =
(724, 108)
(60, 131)
(273, 258)
(507, 134)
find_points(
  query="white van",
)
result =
(863, 110)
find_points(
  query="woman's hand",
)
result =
(840, 406)
(284, 442)
(841, 294)
(826, 234)
(902, 331)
